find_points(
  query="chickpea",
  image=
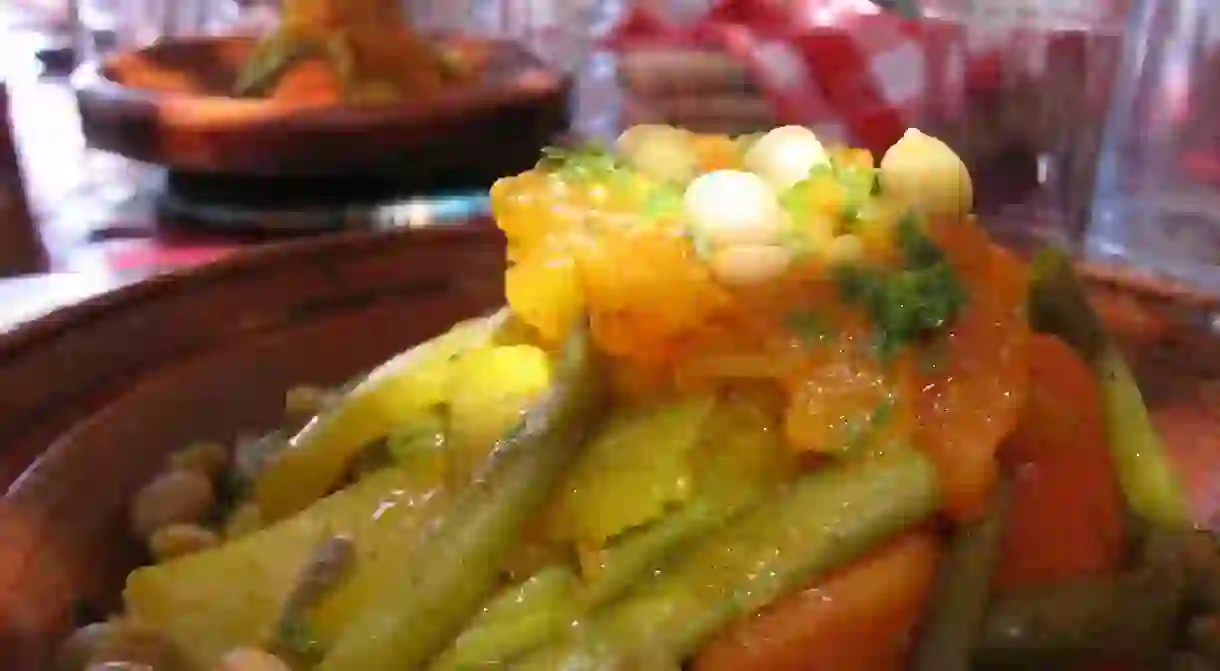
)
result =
(120, 666)
(630, 140)
(662, 152)
(136, 644)
(173, 497)
(924, 173)
(211, 459)
(742, 265)
(734, 207)
(302, 402)
(785, 155)
(245, 519)
(76, 650)
(179, 540)
(251, 659)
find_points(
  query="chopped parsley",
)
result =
(910, 303)
(796, 200)
(858, 430)
(810, 327)
(588, 161)
(663, 201)
(860, 183)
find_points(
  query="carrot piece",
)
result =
(717, 152)
(971, 399)
(1066, 516)
(858, 619)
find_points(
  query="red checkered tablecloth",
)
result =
(852, 70)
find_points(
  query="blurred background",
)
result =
(1088, 124)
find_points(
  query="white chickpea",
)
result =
(662, 152)
(924, 173)
(173, 497)
(630, 140)
(747, 264)
(179, 540)
(785, 155)
(730, 207)
(251, 659)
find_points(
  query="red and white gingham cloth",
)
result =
(843, 67)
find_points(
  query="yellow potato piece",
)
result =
(637, 465)
(229, 597)
(414, 380)
(741, 453)
(489, 389)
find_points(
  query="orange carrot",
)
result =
(971, 400)
(859, 619)
(1066, 517)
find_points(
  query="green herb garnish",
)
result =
(588, 161)
(796, 199)
(663, 201)
(810, 327)
(859, 182)
(910, 303)
(857, 431)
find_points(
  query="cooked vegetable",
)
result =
(971, 384)
(245, 519)
(637, 464)
(860, 618)
(455, 565)
(228, 597)
(828, 519)
(119, 666)
(319, 454)
(1131, 616)
(959, 599)
(209, 458)
(736, 219)
(754, 403)
(516, 621)
(121, 640)
(1196, 554)
(330, 562)
(1066, 519)
(785, 155)
(916, 301)
(78, 649)
(251, 659)
(542, 608)
(661, 152)
(173, 497)
(489, 389)
(741, 456)
(1059, 306)
(304, 402)
(736, 461)
(926, 174)
(178, 540)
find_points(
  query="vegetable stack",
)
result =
(754, 403)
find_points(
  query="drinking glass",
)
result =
(1157, 202)
(1024, 100)
(103, 25)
